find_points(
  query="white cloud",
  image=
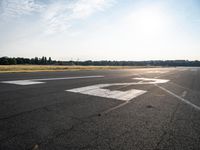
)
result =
(60, 15)
(16, 8)
(84, 8)
(55, 16)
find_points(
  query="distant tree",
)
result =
(12, 61)
(32, 61)
(27, 61)
(36, 61)
(42, 60)
(45, 60)
(49, 60)
(20, 60)
(4, 61)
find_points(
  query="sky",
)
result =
(101, 29)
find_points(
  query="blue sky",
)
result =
(101, 29)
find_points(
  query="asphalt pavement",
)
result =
(133, 109)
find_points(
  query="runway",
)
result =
(140, 109)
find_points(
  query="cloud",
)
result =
(16, 8)
(84, 8)
(55, 16)
(60, 15)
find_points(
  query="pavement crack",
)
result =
(24, 112)
(29, 111)
(169, 124)
(15, 135)
(66, 131)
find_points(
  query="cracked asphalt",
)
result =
(47, 117)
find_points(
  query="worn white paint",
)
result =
(38, 81)
(194, 69)
(23, 82)
(67, 78)
(157, 71)
(99, 89)
(151, 80)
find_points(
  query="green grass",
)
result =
(38, 68)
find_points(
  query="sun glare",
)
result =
(148, 21)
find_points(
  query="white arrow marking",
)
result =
(98, 90)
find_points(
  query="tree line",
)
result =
(48, 61)
(21, 61)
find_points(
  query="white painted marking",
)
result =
(180, 98)
(151, 80)
(157, 71)
(37, 81)
(194, 69)
(68, 78)
(115, 107)
(96, 90)
(99, 89)
(23, 82)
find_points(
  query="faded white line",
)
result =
(157, 71)
(22, 82)
(194, 69)
(180, 98)
(114, 108)
(38, 81)
(153, 80)
(68, 78)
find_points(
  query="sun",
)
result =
(148, 21)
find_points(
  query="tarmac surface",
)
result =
(101, 109)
